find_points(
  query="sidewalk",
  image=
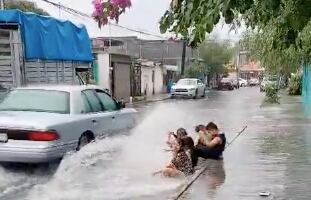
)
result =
(149, 99)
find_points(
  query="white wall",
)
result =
(146, 80)
(159, 87)
(103, 70)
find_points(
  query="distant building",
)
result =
(167, 52)
(248, 68)
(151, 64)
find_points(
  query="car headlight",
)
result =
(192, 89)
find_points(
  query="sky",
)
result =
(144, 15)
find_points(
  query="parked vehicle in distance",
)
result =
(253, 82)
(41, 124)
(268, 80)
(235, 83)
(226, 84)
(243, 82)
(188, 87)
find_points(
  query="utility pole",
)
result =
(183, 57)
(2, 4)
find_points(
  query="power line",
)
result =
(76, 12)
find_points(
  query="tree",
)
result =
(24, 6)
(289, 20)
(196, 70)
(275, 60)
(215, 55)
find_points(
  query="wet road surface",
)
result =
(272, 155)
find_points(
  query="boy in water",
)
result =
(205, 136)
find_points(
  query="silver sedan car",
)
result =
(41, 124)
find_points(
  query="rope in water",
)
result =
(205, 168)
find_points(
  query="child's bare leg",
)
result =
(171, 172)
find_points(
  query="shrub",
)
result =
(295, 84)
(272, 95)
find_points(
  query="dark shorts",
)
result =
(205, 152)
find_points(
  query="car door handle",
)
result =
(94, 121)
(113, 117)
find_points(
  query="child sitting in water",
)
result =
(205, 137)
(172, 139)
(180, 163)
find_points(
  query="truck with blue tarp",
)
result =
(37, 49)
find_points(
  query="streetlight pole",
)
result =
(183, 57)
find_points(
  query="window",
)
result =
(87, 107)
(93, 101)
(200, 82)
(37, 100)
(108, 103)
(186, 82)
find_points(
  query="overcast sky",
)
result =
(144, 15)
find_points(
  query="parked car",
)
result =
(40, 124)
(243, 82)
(188, 87)
(268, 80)
(253, 82)
(235, 83)
(226, 84)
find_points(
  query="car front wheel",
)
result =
(203, 95)
(196, 95)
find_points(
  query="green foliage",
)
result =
(196, 70)
(295, 84)
(215, 56)
(24, 6)
(288, 20)
(272, 96)
(276, 60)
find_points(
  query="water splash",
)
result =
(120, 167)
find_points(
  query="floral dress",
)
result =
(183, 163)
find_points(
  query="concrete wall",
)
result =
(148, 85)
(122, 76)
(103, 70)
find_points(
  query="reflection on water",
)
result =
(272, 155)
(212, 179)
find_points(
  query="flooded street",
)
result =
(273, 155)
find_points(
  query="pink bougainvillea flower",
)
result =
(122, 3)
(105, 10)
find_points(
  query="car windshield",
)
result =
(226, 80)
(186, 82)
(36, 100)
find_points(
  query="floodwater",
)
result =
(272, 155)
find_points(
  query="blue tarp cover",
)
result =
(47, 38)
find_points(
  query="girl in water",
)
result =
(181, 163)
(173, 138)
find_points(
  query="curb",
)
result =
(148, 101)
